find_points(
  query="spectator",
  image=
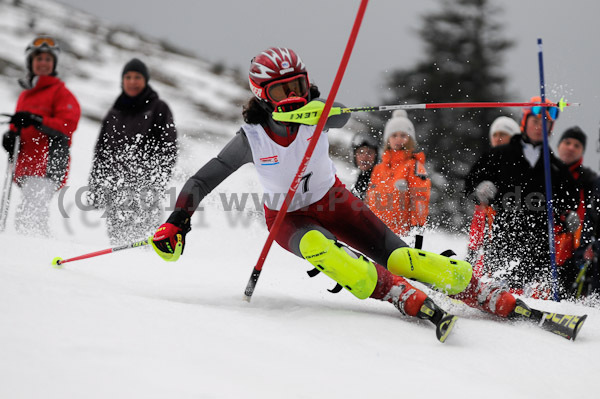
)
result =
(46, 116)
(570, 150)
(134, 158)
(511, 179)
(587, 255)
(502, 129)
(400, 187)
(365, 149)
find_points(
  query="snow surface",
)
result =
(129, 325)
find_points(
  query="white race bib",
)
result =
(277, 166)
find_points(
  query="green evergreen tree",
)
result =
(464, 48)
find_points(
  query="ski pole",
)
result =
(310, 113)
(309, 151)
(548, 178)
(8, 180)
(577, 286)
(58, 261)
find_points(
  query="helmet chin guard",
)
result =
(290, 104)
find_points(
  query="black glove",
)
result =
(8, 142)
(25, 119)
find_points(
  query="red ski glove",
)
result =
(169, 239)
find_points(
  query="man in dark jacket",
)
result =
(587, 256)
(511, 178)
(570, 150)
(134, 158)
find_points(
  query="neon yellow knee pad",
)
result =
(357, 275)
(442, 273)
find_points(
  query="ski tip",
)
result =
(578, 326)
(247, 298)
(444, 327)
(57, 262)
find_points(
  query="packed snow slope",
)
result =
(129, 325)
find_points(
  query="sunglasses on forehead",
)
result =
(551, 111)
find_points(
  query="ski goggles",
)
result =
(40, 41)
(552, 112)
(279, 90)
(43, 44)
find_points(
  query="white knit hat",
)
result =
(399, 123)
(505, 124)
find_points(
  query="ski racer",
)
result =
(325, 223)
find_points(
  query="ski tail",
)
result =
(444, 327)
(444, 322)
(567, 326)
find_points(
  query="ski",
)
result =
(567, 326)
(443, 322)
(444, 327)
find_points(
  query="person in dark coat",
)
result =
(365, 150)
(587, 255)
(571, 148)
(134, 158)
(511, 178)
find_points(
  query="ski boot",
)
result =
(444, 322)
(412, 302)
(567, 326)
(490, 296)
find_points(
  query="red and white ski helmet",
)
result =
(275, 63)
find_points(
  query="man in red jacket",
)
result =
(46, 116)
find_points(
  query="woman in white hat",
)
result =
(400, 187)
(502, 129)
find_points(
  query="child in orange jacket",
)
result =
(400, 187)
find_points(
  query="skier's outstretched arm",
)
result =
(169, 239)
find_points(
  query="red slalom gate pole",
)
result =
(308, 154)
(308, 114)
(561, 104)
(58, 262)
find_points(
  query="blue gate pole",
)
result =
(548, 178)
